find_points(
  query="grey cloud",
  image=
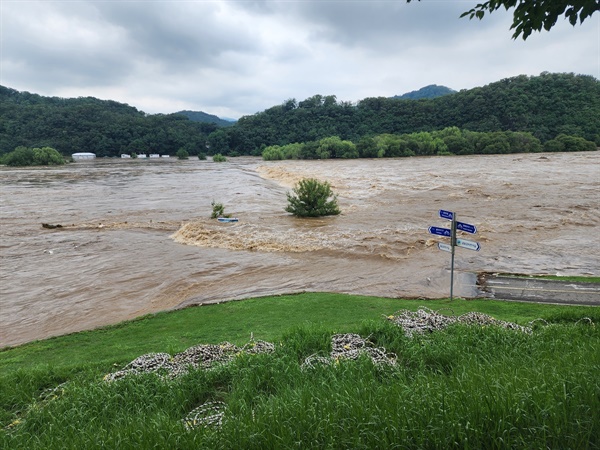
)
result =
(241, 57)
(59, 46)
(179, 35)
(384, 25)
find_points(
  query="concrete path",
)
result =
(504, 287)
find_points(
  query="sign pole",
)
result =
(453, 245)
(454, 241)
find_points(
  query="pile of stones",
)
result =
(350, 346)
(425, 320)
(203, 356)
(209, 414)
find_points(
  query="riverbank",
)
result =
(55, 392)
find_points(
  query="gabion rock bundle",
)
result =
(202, 356)
(209, 414)
(351, 346)
(425, 320)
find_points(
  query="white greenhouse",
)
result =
(83, 156)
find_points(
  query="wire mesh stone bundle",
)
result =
(350, 346)
(202, 356)
(426, 320)
(209, 414)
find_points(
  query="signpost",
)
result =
(454, 241)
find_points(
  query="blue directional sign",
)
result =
(467, 227)
(446, 214)
(440, 231)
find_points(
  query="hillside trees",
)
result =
(106, 128)
(545, 106)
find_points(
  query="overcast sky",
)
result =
(234, 58)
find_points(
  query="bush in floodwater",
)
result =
(312, 198)
(23, 156)
(182, 154)
(218, 210)
(219, 158)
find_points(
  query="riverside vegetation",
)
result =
(517, 114)
(457, 386)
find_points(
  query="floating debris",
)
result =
(51, 226)
(351, 346)
(425, 320)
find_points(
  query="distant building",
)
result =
(164, 156)
(154, 155)
(83, 156)
(124, 155)
(142, 155)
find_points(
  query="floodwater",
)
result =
(136, 236)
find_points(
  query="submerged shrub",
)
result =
(272, 153)
(218, 210)
(23, 156)
(312, 198)
(182, 154)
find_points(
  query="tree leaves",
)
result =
(533, 15)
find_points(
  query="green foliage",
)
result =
(312, 198)
(182, 154)
(431, 91)
(532, 16)
(23, 156)
(564, 143)
(218, 210)
(334, 147)
(104, 127)
(543, 106)
(200, 116)
(219, 158)
(272, 153)
(202, 156)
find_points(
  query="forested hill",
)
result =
(199, 116)
(105, 127)
(431, 91)
(545, 105)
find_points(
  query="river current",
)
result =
(135, 236)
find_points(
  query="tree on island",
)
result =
(312, 198)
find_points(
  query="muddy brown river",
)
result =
(136, 235)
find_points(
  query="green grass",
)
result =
(464, 387)
(267, 318)
(576, 279)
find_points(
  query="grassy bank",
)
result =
(468, 387)
(565, 278)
